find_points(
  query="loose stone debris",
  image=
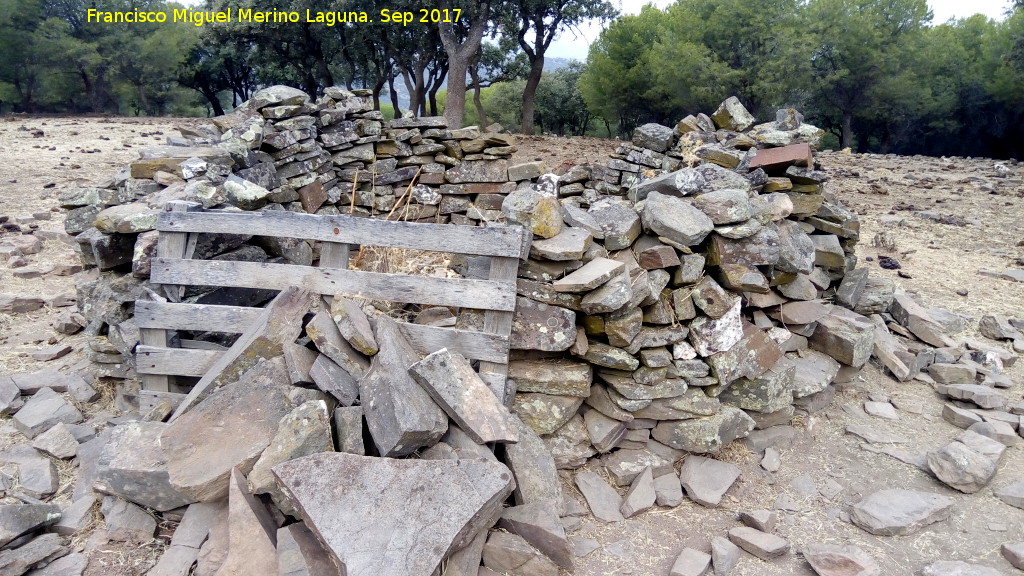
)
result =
(669, 306)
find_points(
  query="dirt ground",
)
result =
(983, 214)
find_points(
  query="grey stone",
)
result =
(568, 244)
(1014, 554)
(357, 506)
(959, 417)
(57, 442)
(847, 337)
(641, 496)
(300, 554)
(998, 327)
(835, 560)
(19, 519)
(944, 373)
(541, 527)
(668, 490)
(691, 562)
(675, 219)
(1012, 494)
(126, 522)
(881, 410)
(763, 520)
(454, 386)
(620, 224)
(252, 533)
(962, 468)
(536, 476)
(75, 517)
(724, 555)
(334, 380)
(545, 413)
(569, 445)
(900, 512)
(44, 410)
(604, 501)
(401, 416)
(133, 465)
(713, 335)
(763, 545)
(511, 554)
(611, 296)
(814, 372)
(540, 213)
(997, 430)
(979, 394)
(653, 137)
(230, 428)
(623, 466)
(303, 431)
(538, 326)
(724, 206)
(706, 480)
(560, 376)
(70, 565)
(707, 434)
(323, 331)
(348, 426)
(17, 561)
(353, 325)
(732, 115)
(590, 276)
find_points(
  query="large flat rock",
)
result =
(900, 512)
(133, 466)
(230, 428)
(387, 517)
(401, 416)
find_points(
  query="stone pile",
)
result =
(697, 288)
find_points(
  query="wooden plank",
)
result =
(153, 337)
(334, 255)
(473, 345)
(197, 317)
(482, 294)
(505, 241)
(174, 361)
(175, 244)
(201, 345)
(495, 374)
(148, 399)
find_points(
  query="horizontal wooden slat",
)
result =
(148, 399)
(481, 294)
(197, 317)
(174, 361)
(472, 345)
(424, 339)
(507, 241)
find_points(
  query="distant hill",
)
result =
(550, 64)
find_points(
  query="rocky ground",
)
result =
(945, 221)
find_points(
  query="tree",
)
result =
(493, 64)
(535, 23)
(462, 44)
(618, 81)
(861, 53)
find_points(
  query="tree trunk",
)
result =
(481, 114)
(211, 96)
(377, 87)
(459, 57)
(394, 96)
(143, 100)
(847, 130)
(530, 93)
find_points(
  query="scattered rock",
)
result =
(900, 512)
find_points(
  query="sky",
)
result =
(574, 45)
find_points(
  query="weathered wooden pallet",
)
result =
(158, 363)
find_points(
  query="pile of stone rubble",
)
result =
(698, 288)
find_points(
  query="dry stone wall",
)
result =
(676, 297)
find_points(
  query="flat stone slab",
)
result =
(1012, 494)
(401, 416)
(833, 560)
(230, 428)
(453, 384)
(724, 555)
(359, 507)
(539, 525)
(43, 411)
(761, 544)
(641, 496)
(691, 562)
(706, 480)
(133, 466)
(900, 512)
(604, 501)
(506, 553)
(18, 519)
(590, 276)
